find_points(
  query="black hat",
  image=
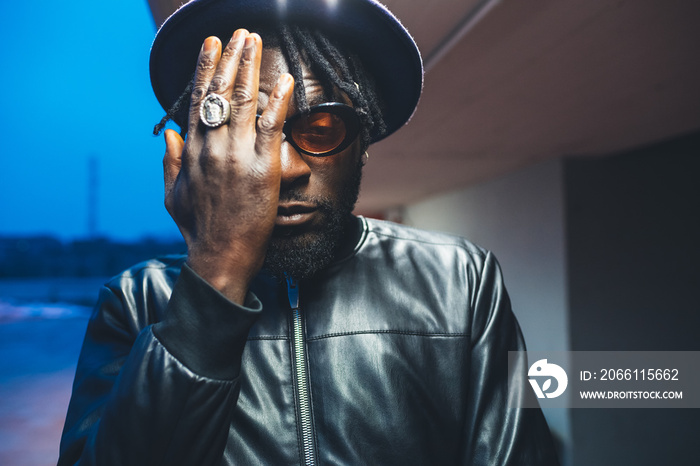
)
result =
(365, 27)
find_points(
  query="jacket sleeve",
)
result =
(498, 430)
(161, 394)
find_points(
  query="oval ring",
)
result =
(214, 110)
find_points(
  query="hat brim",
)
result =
(365, 27)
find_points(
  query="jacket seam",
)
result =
(478, 289)
(395, 332)
(269, 337)
(477, 250)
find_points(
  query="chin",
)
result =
(302, 254)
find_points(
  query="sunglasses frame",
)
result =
(344, 111)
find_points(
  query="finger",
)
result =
(269, 128)
(244, 101)
(206, 66)
(225, 75)
(172, 162)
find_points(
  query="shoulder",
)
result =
(410, 238)
(440, 275)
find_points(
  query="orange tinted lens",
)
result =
(319, 132)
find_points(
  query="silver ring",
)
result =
(214, 110)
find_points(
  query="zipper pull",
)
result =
(292, 292)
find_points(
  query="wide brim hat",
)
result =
(364, 27)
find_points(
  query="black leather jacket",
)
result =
(397, 354)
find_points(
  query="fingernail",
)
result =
(238, 35)
(251, 40)
(286, 81)
(210, 44)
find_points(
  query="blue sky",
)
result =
(75, 85)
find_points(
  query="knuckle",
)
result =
(198, 93)
(267, 124)
(230, 52)
(246, 62)
(242, 96)
(206, 63)
(219, 84)
(210, 158)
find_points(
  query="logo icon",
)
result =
(542, 368)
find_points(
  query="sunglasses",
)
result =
(325, 129)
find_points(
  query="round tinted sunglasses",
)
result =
(325, 129)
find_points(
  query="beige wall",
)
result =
(520, 218)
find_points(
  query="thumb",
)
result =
(172, 161)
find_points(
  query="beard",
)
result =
(302, 254)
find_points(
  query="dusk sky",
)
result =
(76, 85)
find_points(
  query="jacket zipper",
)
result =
(301, 371)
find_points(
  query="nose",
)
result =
(295, 170)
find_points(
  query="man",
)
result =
(294, 332)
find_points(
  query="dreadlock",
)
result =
(333, 66)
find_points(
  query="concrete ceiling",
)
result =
(515, 82)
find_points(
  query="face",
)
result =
(317, 194)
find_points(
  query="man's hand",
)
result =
(222, 184)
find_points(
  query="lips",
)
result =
(295, 214)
